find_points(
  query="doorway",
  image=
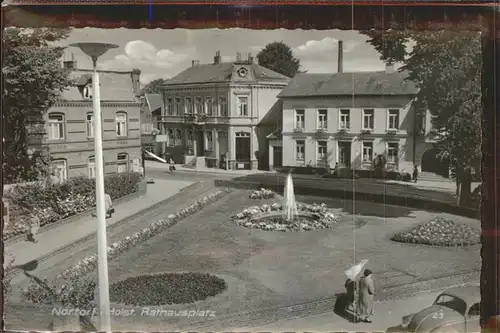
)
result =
(344, 154)
(277, 157)
(200, 143)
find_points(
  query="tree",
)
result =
(278, 56)
(152, 87)
(33, 80)
(446, 66)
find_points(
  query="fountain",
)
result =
(289, 204)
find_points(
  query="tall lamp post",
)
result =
(95, 50)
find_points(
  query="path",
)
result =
(53, 238)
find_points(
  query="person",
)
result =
(171, 164)
(109, 205)
(350, 287)
(366, 295)
(34, 228)
(415, 173)
(337, 170)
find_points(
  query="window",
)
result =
(60, 170)
(474, 310)
(223, 106)
(170, 138)
(322, 119)
(345, 121)
(178, 137)
(122, 162)
(189, 105)
(392, 152)
(199, 105)
(300, 148)
(368, 119)
(451, 302)
(90, 125)
(209, 106)
(367, 152)
(121, 124)
(56, 126)
(243, 106)
(299, 119)
(170, 106)
(210, 140)
(178, 106)
(91, 167)
(322, 150)
(393, 119)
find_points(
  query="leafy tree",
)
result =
(33, 79)
(446, 66)
(152, 87)
(278, 56)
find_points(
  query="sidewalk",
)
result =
(387, 314)
(57, 237)
(216, 171)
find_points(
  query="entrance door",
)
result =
(242, 150)
(277, 157)
(200, 143)
(344, 154)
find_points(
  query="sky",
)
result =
(164, 53)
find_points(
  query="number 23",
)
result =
(437, 315)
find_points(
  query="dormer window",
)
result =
(87, 92)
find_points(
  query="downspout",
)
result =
(415, 118)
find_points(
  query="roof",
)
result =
(360, 83)
(115, 85)
(154, 101)
(470, 294)
(223, 72)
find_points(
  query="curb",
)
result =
(418, 203)
(124, 199)
(14, 271)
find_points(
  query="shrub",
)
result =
(167, 288)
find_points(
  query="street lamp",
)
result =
(95, 50)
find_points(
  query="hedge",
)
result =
(52, 202)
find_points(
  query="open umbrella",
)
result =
(354, 271)
(155, 157)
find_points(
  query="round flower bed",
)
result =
(168, 288)
(271, 218)
(440, 232)
(262, 194)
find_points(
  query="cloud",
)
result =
(154, 63)
(322, 49)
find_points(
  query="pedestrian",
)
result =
(350, 287)
(415, 174)
(34, 228)
(171, 165)
(109, 205)
(366, 296)
(337, 170)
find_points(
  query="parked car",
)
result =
(454, 310)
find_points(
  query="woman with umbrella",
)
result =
(351, 285)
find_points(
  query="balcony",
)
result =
(195, 118)
(366, 130)
(321, 131)
(392, 131)
(344, 129)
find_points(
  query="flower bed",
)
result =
(167, 288)
(440, 232)
(53, 202)
(39, 294)
(270, 218)
(262, 194)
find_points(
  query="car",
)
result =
(454, 310)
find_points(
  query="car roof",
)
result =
(470, 294)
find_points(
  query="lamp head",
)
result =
(94, 50)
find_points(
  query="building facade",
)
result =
(151, 113)
(68, 127)
(212, 111)
(346, 120)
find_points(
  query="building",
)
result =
(151, 113)
(68, 129)
(348, 119)
(212, 112)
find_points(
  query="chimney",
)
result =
(217, 59)
(238, 57)
(136, 84)
(340, 58)
(389, 68)
(70, 64)
(195, 63)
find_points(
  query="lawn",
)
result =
(267, 269)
